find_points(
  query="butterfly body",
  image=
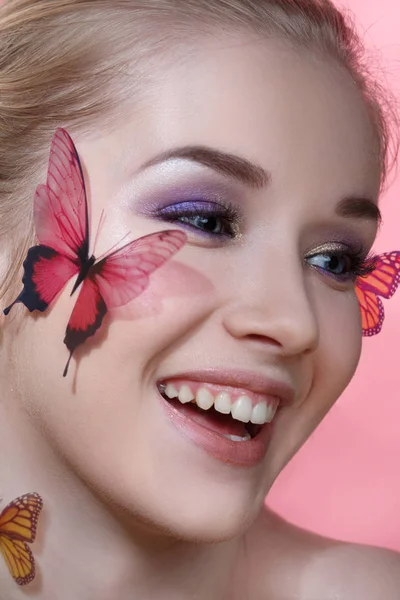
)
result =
(86, 265)
(62, 228)
(18, 523)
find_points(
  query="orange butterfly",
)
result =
(383, 281)
(18, 523)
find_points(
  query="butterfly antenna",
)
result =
(113, 247)
(67, 365)
(101, 221)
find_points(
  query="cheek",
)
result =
(325, 376)
(341, 339)
(130, 339)
(171, 288)
(103, 398)
(337, 355)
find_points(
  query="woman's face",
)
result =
(265, 157)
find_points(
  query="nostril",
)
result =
(263, 339)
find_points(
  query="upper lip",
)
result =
(249, 380)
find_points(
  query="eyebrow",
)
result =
(359, 208)
(253, 175)
(230, 165)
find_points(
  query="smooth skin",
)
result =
(133, 509)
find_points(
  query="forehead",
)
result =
(292, 111)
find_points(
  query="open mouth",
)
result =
(238, 415)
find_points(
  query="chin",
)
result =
(201, 516)
(202, 524)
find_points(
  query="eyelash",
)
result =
(359, 265)
(229, 218)
(228, 215)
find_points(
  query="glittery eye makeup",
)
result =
(203, 217)
(342, 262)
(204, 206)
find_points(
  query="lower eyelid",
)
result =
(340, 280)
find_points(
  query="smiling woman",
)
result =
(238, 149)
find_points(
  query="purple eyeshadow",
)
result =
(190, 206)
(194, 196)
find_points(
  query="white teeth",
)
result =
(238, 438)
(185, 394)
(204, 399)
(271, 412)
(259, 414)
(223, 403)
(171, 391)
(242, 409)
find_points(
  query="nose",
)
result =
(275, 309)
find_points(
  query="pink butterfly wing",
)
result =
(61, 222)
(60, 206)
(45, 274)
(116, 280)
(124, 274)
(86, 317)
(383, 281)
(50, 274)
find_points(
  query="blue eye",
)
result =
(213, 224)
(343, 266)
(207, 218)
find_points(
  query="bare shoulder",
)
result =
(349, 571)
(292, 563)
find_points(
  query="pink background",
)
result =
(345, 482)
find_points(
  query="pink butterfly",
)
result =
(62, 228)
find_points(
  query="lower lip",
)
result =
(242, 454)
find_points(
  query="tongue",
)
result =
(211, 419)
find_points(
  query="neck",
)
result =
(85, 548)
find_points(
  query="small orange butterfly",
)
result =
(382, 281)
(18, 522)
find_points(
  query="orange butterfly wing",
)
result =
(372, 313)
(18, 523)
(383, 281)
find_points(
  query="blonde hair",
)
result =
(62, 64)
